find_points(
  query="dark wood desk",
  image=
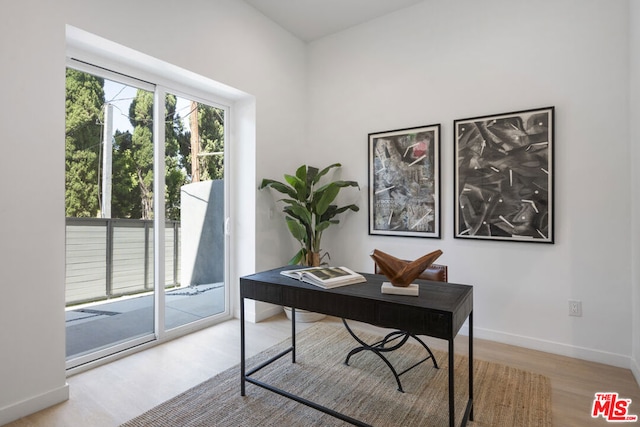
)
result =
(439, 311)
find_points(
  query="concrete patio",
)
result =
(91, 327)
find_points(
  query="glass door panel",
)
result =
(195, 206)
(109, 229)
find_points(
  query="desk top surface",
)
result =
(438, 296)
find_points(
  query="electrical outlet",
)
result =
(575, 308)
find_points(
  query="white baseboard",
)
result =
(598, 356)
(29, 406)
(635, 369)
(562, 349)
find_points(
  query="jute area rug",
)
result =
(365, 390)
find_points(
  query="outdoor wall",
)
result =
(440, 60)
(223, 40)
(202, 243)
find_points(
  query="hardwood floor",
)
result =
(111, 394)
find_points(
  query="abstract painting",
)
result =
(504, 176)
(404, 182)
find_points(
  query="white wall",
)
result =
(634, 119)
(432, 63)
(442, 60)
(224, 40)
(31, 210)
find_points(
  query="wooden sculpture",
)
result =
(402, 273)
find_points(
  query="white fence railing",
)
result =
(112, 257)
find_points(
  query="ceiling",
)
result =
(312, 19)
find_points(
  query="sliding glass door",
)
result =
(119, 250)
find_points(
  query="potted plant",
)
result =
(309, 211)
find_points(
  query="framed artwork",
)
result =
(404, 182)
(504, 176)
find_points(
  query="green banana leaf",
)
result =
(308, 208)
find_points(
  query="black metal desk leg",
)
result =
(471, 363)
(293, 335)
(452, 412)
(242, 362)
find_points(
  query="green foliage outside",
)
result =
(210, 122)
(85, 95)
(132, 182)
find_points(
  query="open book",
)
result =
(326, 277)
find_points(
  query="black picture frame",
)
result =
(503, 175)
(404, 182)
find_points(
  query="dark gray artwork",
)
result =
(504, 176)
(404, 182)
